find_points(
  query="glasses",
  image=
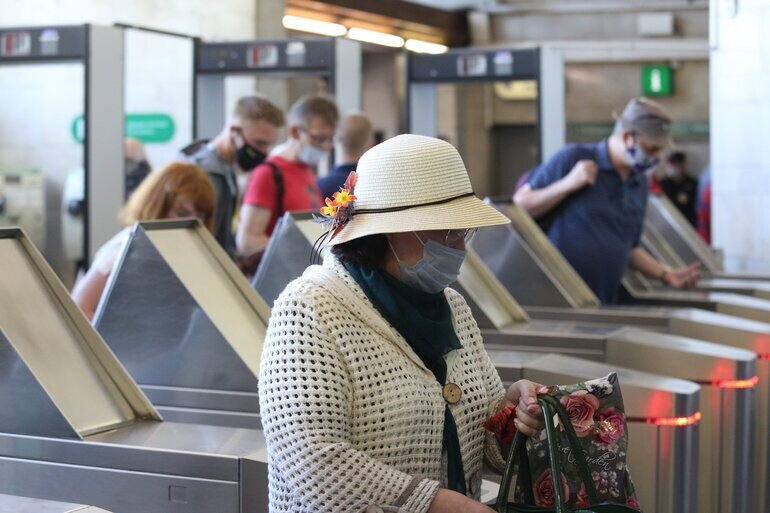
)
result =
(259, 144)
(319, 141)
(455, 237)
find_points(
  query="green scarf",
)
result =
(425, 322)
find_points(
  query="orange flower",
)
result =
(343, 197)
(330, 209)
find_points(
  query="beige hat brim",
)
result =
(469, 212)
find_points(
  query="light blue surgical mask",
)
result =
(312, 155)
(641, 161)
(438, 268)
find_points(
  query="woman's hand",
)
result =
(529, 416)
(448, 501)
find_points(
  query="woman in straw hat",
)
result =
(374, 382)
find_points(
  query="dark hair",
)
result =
(368, 251)
(677, 157)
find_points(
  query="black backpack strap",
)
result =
(279, 188)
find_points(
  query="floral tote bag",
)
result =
(578, 463)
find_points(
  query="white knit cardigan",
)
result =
(352, 418)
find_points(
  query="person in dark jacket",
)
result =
(355, 135)
(679, 187)
(242, 145)
(591, 200)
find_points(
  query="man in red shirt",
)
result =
(286, 181)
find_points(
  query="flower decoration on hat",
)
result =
(339, 208)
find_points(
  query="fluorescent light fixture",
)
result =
(377, 38)
(324, 28)
(418, 46)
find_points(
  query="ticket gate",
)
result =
(506, 325)
(656, 244)
(551, 281)
(556, 293)
(74, 426)
(16, 504)
(727, 376)
(663, 216)
(186, 324)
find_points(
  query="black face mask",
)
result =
(135, 173)
(248, 157)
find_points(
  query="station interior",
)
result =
(131, 344)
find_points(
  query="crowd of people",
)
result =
(380, 310)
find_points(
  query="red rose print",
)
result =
(582, 497)
(544, 493)
(501, 424)
(581, 406)
(610, 426)
(631, 501)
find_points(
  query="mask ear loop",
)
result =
(315, 255)
(393, 250)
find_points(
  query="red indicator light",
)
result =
(763, 356)
(737, 383)
(676, 421)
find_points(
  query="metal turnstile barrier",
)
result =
(182, 318)
(74, 426)
(15, 504)
(726, 376)
(522, 244)
(290, 251)
(721, 328)
(656, 244)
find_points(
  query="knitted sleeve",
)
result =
(305, 397)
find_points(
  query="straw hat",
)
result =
(413, 183)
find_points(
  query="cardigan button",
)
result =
(452, 393)
(373, 508)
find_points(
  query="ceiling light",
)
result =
(378, 38)
(416, 45)
(324, 28)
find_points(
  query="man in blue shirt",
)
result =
(591, 200)
(355, 135)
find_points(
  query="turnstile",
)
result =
(184, 321)
(531, 268)
(727, 376)
(74, 427)
(684, 241)
(16, 504)
(290, 250)
(542, 277)
(656, 244)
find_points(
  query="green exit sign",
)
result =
(657, 80)
(151, 127)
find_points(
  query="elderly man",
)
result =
(591, 200)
